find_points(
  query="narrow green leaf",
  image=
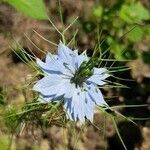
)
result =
(32, 8)
(118, 133)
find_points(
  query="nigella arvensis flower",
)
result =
(70, 76)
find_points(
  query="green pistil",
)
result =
(82, 74)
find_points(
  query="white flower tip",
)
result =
(61, 44)
(35, 88)
(37, 59)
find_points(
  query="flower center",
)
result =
(81, 75)
(78, 80)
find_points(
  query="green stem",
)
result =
(118, 133)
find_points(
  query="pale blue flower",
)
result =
(59, 71)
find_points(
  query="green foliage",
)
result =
(134, 13)
(97, 12)
(32, 8)
(11, 122)
(41, 114)
(115, 48)
(123, 24)
(135, 35)
(4, 142)
(88, 26)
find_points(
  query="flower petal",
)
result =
(68, 108)
(49, 85)
(96, 80)
(46, 99)
(70, 90)
(66, 55)
(54, 67)
(99, 71)
(96, 96)
(98, 75)
(89, 108)
(80, 106)
(66, 87)
(50, 57)
(78, 101)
